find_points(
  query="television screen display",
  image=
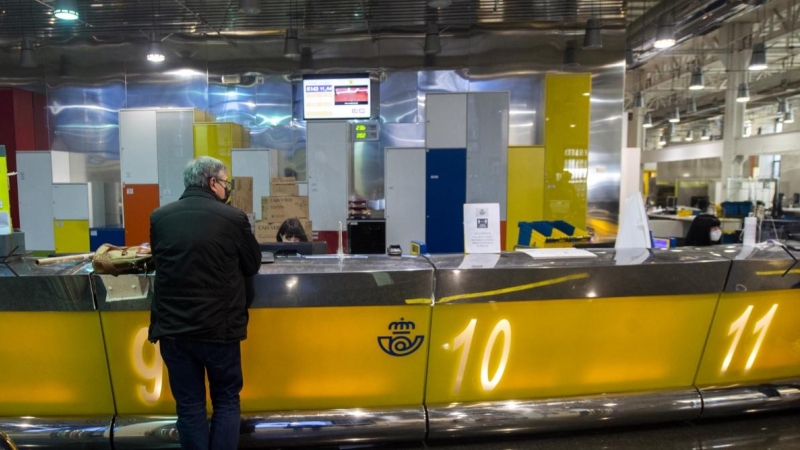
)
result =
(336, 97)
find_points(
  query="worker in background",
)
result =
(291, 230)
(205, 255)
(705, 230)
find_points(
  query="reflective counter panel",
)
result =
(610, 273)
(755, 336)
(528, 329)
(765, 267)
(51, 344)
(319, 327)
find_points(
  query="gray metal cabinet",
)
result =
(446, 121)
(326, 147)
(35, 182)
(405, 196)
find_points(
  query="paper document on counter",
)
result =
(482, 228)
(557, 253)
(479, 261)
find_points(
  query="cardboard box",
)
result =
(278, 209)
(283, 190)
(242, 195)
(283, 180)
(268, 232)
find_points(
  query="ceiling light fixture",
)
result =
(592, 38)
(66, 10)
(781, 106)
(249, 7)
(638, 100)
(789, 118)
(676, 116)
(648, 121)
(758, 60)
(628, 55)
(26, 56)
(433, 45)
(665, 36)
(706, 136)
(155, 51)
(291, 46)
(743, 95)
(662, 140)
(697, 80)
(692, 107)
(689, 136)
(570, 55)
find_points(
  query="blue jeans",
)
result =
(187, 363)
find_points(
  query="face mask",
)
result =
(227, 197)
(715, 235)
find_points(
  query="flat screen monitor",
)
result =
(699, 201)
(347, 96)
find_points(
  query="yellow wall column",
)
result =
(566, 142)
(525, 189)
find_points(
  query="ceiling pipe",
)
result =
(691, 18)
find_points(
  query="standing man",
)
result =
(204, 253)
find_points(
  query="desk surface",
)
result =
(689, 218)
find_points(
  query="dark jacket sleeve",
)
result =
(249, 250)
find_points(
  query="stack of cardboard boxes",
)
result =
(242, 198)
(283, 203)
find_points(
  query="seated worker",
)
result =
(704, 231)
(291, 230)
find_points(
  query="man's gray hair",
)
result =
(199, 170)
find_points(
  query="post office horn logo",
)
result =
(400, 343)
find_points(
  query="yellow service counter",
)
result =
(375, 348)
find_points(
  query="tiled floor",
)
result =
(758, 432)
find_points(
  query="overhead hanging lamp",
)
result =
(676, 116)
(291, 45)
(665, 36)
(781, 106)
(692, 106)
(592, 38)
(433, 45)
(638, 100)
(249, 7)
(706, 135)
(789, 117)
(758, 60)
(689, 136)
(155, 51)
(648, 121)
(27, 58)
(743, 94)
(66, 10)
(697, 80)
(570, 55)
(628, 55)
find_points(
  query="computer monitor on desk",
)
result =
(294, 248)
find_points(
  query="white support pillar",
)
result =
(736, 63)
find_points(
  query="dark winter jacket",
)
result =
(204, 254)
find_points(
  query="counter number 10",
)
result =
(464, 340)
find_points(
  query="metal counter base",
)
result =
(288, 428)
(727, 401)
(380, 425)
(532, 416)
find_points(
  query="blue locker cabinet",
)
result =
(445, 195)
